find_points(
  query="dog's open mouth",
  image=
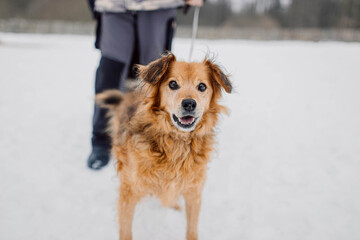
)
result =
(185, 122)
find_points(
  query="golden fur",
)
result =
(154, 156)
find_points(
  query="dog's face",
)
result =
(184, 90)
(185, 94)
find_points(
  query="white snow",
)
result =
(287, 165)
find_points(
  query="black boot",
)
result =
(99, 157)
(108, 76)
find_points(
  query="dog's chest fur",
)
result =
(164, 165)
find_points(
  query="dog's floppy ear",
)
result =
(155, 71)
(218, 75)
(109, 99)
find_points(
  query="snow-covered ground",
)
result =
(287, 164)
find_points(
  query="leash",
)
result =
(194, 30)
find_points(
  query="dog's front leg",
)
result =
(126, 207)
(193, 203)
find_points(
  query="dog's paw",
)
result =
(192, 236)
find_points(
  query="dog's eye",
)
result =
(173, 85)
(202, 87)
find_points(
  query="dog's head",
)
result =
(185, 91)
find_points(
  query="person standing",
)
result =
(128, 32)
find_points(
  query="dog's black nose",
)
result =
(189, 105)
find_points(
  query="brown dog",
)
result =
(162, 135)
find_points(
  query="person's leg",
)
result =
(116, 45)
(154, 30)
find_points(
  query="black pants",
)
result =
(108, 76)
(127, 38)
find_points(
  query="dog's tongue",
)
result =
(187, 120)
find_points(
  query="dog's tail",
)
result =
(109, 99)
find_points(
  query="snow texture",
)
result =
(287, 164)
